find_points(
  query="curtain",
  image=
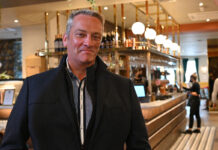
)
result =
(184, 63)
(175, 76)
(197, 64)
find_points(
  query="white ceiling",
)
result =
(182, 11)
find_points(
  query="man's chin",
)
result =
(88, 62)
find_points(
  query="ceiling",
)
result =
(30, 12)
(11, 3)
(182, 11)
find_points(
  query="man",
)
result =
(79, 105)
(211, 83)
(215, 92)
(194, 103)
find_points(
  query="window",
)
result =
(11, 58)
(171, 77)
(191, 68)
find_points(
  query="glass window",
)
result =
(10, 53)
(191, 68)
(171, 77)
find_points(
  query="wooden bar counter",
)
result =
(5, 112)
(165, 119)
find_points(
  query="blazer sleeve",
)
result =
(16, 133)
(138, 137)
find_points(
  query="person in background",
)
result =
(138, 78)
(211, 84)
(79, 105)
(194, 103)
(215, 92)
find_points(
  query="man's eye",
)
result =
(80, 35)
(97, 37)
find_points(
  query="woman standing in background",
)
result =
(194, 103)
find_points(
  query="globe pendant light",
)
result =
(174, 47)
(160, 39)
(167, 43)
(150, 34)
(138, 28)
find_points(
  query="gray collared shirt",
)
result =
(80, 95)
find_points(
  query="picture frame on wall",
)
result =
(8, 96)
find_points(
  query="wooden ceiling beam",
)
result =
(196, 27)
(161, 13)
(144, 5)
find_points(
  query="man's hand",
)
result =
(194, 93)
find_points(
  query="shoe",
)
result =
(187, 132)
(196, 131)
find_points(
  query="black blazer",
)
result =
(44, 111)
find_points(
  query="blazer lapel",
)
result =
(66, 98)
(100, 98)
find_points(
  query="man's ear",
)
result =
(65, 40)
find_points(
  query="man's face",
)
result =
(84, 40)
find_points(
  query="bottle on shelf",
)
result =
(56, 43)
(134, 44)
(108, 40)
(127, 43)
(103, 42)
(61, 46)
(112, 41)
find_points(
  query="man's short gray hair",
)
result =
(83, 12)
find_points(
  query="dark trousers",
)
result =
(194, 110)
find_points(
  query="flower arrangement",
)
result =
(5, 76)
(92, 2)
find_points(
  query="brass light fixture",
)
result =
(58, 22)
(116, 27)
(138, 28)
(123, 25)
(0, 16)
(46, 30)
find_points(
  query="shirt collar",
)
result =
(69, 70)
(90, 71)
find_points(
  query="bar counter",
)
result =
(5, 112)
(165, 119)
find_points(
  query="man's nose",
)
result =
(88, 40)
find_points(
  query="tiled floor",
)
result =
(207, 119)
